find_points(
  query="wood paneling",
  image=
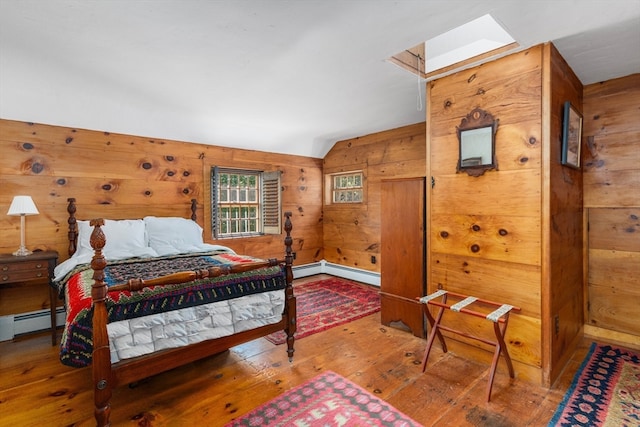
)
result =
(484, 232)
(612, 143)
(488, 278)
(612, 201)
(518, 145)
(494, 236)
(615, 229)
(562, 273)
(487, 237)
(352, 233)
(509, 193)
(614, 290)
(124, 176)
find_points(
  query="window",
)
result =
(244, 202)
(347, 187)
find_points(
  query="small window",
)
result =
(244, 202)
(347, 187)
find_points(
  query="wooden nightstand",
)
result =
(37, 266)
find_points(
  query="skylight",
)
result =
(467, 41)
(481, 38)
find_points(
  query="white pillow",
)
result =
(173, 235)
(124, 239)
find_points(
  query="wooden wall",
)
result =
(124, 176)
(507, 213)
(612, 208)
(562, 252)
(352, 232)
(537, 265)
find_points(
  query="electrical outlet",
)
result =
(556, 322)
(373, 259)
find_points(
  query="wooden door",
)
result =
(402, 237)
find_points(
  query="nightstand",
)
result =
(37, 266)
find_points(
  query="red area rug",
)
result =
(328, 303)
(326, 400)
(605, 390)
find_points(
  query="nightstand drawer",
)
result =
(20, 275)
(17, 267)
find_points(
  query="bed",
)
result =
(144, 296)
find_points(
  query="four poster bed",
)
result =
(145, 296)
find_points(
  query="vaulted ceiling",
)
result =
(285, 76)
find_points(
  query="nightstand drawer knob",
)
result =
(5, 278)
(5, 267)
(39, 274)
(38, 265)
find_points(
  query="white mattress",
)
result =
(144, 335)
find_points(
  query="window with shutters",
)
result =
(244, 202)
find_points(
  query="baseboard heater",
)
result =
(324, 267)
(24, 323)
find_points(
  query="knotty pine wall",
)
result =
(524, 216)
(123, 176)
(563, 232)
(611, 156)
(352, 232)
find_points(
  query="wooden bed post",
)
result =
(73, 226)
(290, 299)
(101, 359)
(106, 376)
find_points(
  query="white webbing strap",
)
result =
(497, 314)
(425, 299)
(462, 304)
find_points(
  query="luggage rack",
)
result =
(499, 317)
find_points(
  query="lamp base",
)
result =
(22, 251)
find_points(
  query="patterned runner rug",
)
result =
(605, 391)
(326, 400)
(327, 303)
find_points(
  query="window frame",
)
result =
(331, 190)
(268, 205)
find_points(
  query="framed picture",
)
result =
(571, 136)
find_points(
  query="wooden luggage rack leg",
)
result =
(499, 317)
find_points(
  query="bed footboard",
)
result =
(107, 376)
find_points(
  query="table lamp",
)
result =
(22, 206)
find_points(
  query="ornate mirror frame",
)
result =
(477, 143)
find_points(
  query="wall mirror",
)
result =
(477, 145)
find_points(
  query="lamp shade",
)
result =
(22, 205)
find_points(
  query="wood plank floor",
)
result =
(35, 389)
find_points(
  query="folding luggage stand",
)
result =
(499, 317)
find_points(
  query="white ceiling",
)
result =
(271, 75)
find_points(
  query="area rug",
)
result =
(326, 400)
(328, 303)
(605, 391)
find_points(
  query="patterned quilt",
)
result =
(77, 338)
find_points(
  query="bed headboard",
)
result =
(73, 224)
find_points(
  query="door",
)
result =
(403, 254)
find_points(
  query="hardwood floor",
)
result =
(35, 389)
